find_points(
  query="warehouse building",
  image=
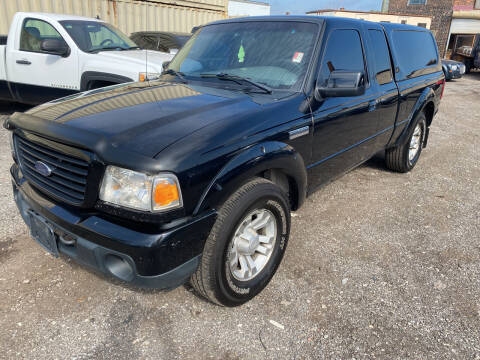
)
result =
(465, 26)
(128, 15)
(238, 8)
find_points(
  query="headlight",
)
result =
(142, 77)
(454, 67)
(139, 191)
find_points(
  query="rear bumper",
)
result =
(162, 260)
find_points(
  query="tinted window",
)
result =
(415, 50)
(276, 54)
(343, 52)
(383, 68)
(34, 32)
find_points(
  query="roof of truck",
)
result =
(58, 17)
(320, 20)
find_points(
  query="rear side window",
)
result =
(33, 32)
(415, 51)
(383, 67)
(343, 52)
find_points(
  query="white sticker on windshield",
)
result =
(298, 57)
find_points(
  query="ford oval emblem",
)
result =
(43, 168)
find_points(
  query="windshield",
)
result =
(275, 54)
(91, 36)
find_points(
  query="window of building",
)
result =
(417, 2)
(477, 4)
(340, 57)
(423, 25)
(404, 22)
(383, 67)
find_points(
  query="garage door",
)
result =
(465, 26)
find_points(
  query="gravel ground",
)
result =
(380, 265)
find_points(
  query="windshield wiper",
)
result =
(238, 80)
(106, 48)
(178, 74)
(114, 48)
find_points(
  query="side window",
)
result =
(343, 52)
(383, 67)
(415, 50)
(33, 32)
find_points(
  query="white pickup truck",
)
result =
(47, 56)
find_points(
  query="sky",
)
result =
(300, 7)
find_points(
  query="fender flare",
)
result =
(427, 96)
(249, 163)
(89, 76)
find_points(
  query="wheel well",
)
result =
(285, 182)
(97, 84)
(429, 110)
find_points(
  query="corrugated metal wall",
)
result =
(128, 15)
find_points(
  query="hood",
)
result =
(155, 59)
(144, 118)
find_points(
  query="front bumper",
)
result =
(454, 74)
(162, 260)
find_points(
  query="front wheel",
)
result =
(403, 158)
(246, 244)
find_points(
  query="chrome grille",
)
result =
(68, 178)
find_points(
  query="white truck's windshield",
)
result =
(275, 54)
(92, 36)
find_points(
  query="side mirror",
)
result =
(55, 47)
(165, 65)
(342, 83)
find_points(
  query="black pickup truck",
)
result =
(193, 176)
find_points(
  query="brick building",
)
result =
(440, 11)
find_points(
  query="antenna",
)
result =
(146, 50)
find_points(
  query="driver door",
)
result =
(37, 76)
(344, 127)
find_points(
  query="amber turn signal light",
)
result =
(165, 194)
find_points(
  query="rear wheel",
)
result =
(403, 158)
(246, 244)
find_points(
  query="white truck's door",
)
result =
(36, 75)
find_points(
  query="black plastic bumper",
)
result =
(161, 260)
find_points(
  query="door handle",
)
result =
(24, 62)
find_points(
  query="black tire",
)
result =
(213, 278)
(397, 158)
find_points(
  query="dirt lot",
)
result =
(380, 265)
